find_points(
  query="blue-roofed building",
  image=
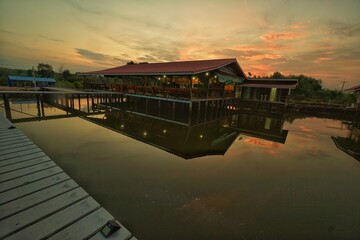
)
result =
(20, 81)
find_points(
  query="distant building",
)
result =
(191, 80)
(20, 81)
(355, 89)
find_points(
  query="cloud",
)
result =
(321, 59)
(281, 36)
(342, 29)
(51, 39)
(6, 31)
(102, 59)
(82, 8)
(147, 58)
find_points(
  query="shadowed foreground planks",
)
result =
(38, 200)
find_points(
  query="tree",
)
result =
(277, 75)
(45, 70)
(66, 74)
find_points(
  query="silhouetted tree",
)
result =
(45, 70)
(66, 74)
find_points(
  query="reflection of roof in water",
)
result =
(185, 141)
(348, 146)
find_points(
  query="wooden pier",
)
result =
(38, 200)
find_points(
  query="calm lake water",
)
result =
(165, 180)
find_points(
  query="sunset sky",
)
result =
(318, 38)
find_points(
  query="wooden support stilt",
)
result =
(7, 106)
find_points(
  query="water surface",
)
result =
(298, 186)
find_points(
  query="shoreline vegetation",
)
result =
(310, 97)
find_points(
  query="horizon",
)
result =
(318, 39)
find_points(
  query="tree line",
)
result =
(309, 88)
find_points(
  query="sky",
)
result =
(317, 38)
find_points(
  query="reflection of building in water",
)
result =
(350, 144)
(268, 127)
(211, 137)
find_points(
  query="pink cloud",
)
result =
(281, 36)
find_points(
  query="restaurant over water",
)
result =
(216, 81)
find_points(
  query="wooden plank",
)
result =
(18, 154)
(15, 145)
(18, 149)
(14, 142)
(23, 159)
(5, 141)
(25, 171)
(84, 228)
(29, 178)
(4, 132)
(15, 193)
(25, 218)
(35, 198)
(121, 234)
(10, 134)
(20, 165)
(57, 221)
(10, 137)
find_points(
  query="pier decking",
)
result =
(38, 200)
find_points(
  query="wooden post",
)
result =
(92, 102)
(38, 105)
(190, 112)
(7, 106)
(198, 114)
(173, 110)
(87, 103)
(159, 107)
(206, 108)
(42, 105)
(79, 102)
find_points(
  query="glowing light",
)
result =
(201, 136)
(215, 76)
(164, 76)
(145, 134)
(207, 74)
(164, 131)
(122, 125)
(193, 78)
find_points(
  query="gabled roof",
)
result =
(169, 68)
(31, 79)
(354, 88)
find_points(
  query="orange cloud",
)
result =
(320, 59)
(261, 67)
(281, 36)
(264, 56)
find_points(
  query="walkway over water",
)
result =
(39, 200)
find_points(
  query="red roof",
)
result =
(354, 88)
(179, 68)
